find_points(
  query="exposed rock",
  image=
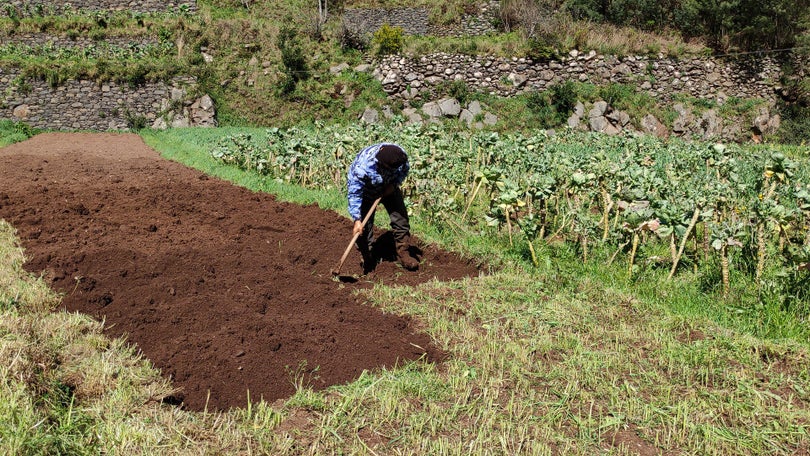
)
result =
(370, 116)
(466, 116)
(685, 118)
(450, 107)
(709, 126)
(412, 115)
(337, 69)
(21, 112)
(474, 107)
(650, 124)
(598, 124)
(599, 109)
(579, 109)
(432, 109)
(764, 123)
(518, 80)
(611, 129)
(618, 118)
(181, 121)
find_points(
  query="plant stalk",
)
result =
(689, 229)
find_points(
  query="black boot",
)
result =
(404, 255)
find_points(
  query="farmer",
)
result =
(378, 171)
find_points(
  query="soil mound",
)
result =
(225, 290)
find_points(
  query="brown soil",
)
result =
(225, 290)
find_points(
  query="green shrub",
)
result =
(618, 96)
(795, 127)
(135, 121)
(459, 90)
(564, 97)
(388, 40)
(292, 57)
(540, 50)
(553, 106)
(540, 105)
(536, 101)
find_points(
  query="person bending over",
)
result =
(378, 171)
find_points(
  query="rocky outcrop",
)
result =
(708, 125)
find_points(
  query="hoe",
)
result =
(336, 271)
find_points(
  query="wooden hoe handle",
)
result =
(357, 235)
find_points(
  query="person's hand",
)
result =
(358, 227)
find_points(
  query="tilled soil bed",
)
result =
(225, 290)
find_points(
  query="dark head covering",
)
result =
(391, 156)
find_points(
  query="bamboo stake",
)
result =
(584, 242)
(673, 249)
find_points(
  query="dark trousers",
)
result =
(397, 212)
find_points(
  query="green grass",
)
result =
(12, 132)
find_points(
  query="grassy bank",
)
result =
(557, 359)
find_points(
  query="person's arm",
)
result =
(355, 189)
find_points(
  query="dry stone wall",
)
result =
(34, 40)
(415, 21)
(23, 8)
(86, 105)
(706, 78)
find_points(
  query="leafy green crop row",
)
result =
(677, 204)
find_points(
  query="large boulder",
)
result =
(765, 123)
(450, 107)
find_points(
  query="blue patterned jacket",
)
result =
(365, 180)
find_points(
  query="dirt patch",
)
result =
(629, 441)
(225, 290)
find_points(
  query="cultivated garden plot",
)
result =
(227, 291)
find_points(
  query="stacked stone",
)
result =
(364, 22)
(85, 105)
(479, 24)
(706, 78)
(24, 8)
(44, 39)
(415, 21)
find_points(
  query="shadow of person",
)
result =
(385, 249)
